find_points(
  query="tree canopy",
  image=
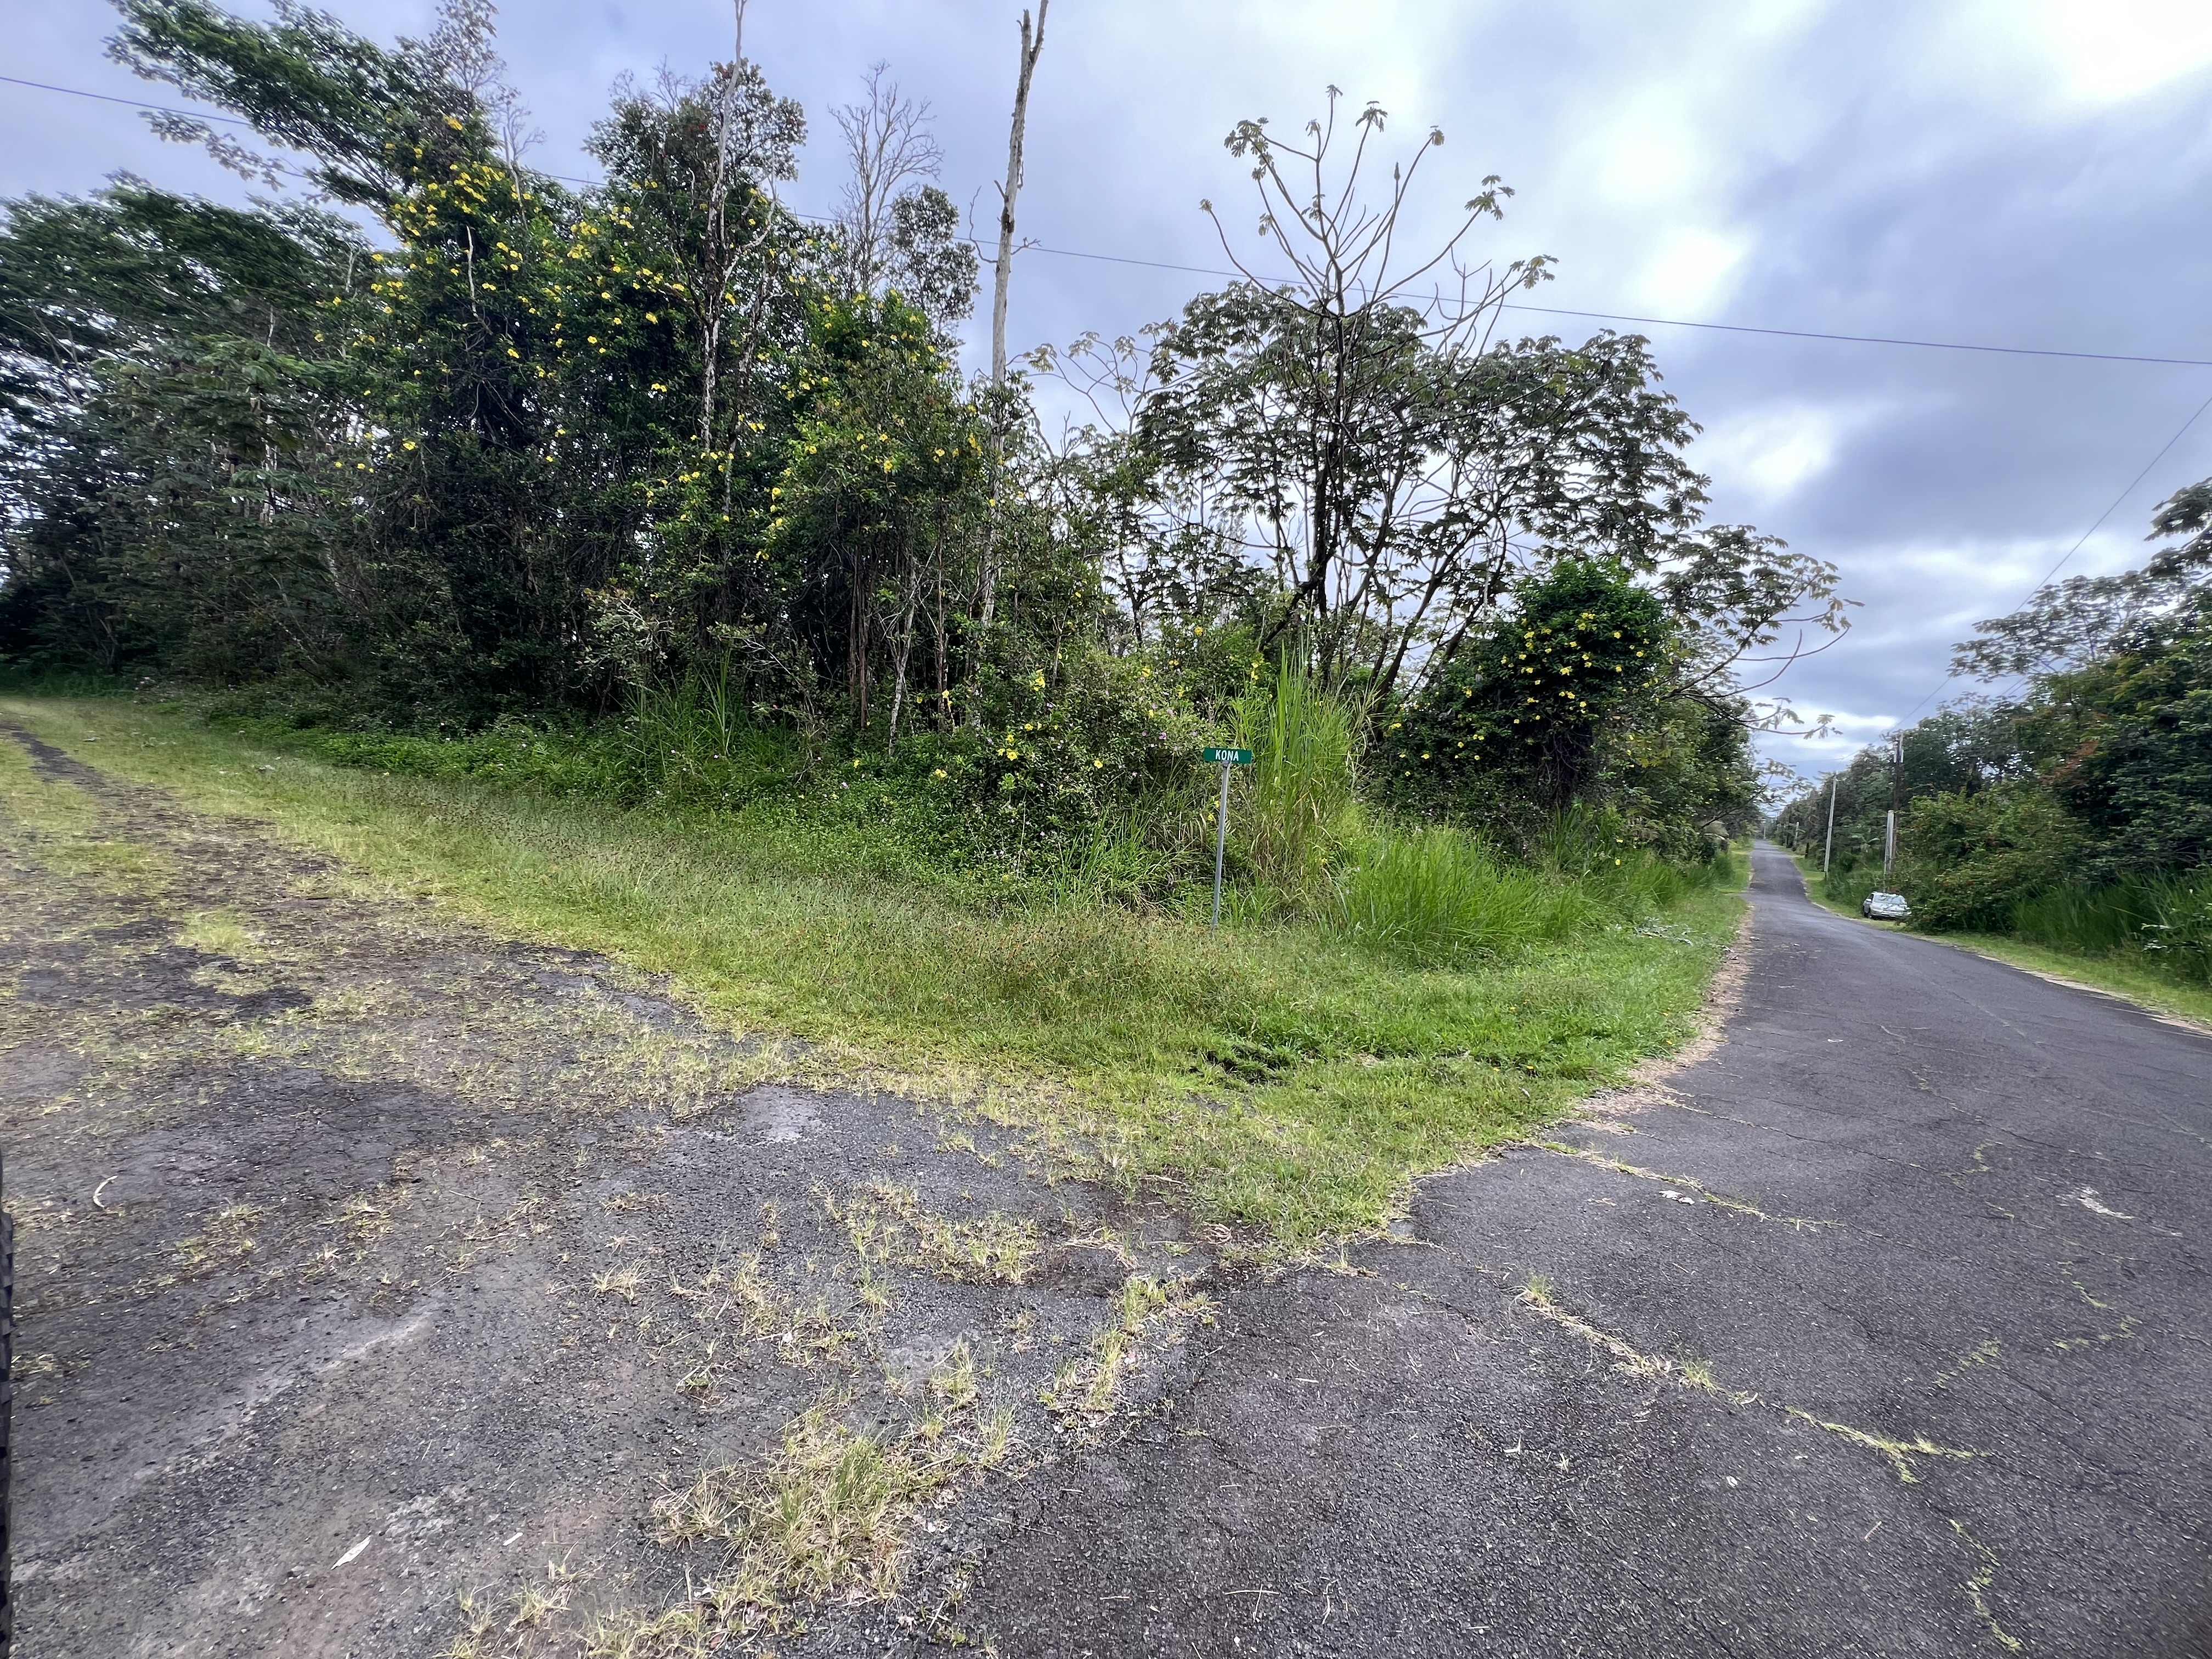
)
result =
(444, 440)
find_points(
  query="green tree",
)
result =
(1525, 709)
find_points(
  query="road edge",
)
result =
(1991, 949)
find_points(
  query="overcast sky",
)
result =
(2006, 174)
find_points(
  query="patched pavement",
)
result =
(1881, 1330)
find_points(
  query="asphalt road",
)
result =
(1882, 1330)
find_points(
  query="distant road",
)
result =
(1893, 1338)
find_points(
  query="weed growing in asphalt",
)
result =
(827, 1515)
(889, 1223)
(1148, 1311)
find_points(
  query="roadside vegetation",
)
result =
(1286, 1076)
(2069, 822)
(633, 564)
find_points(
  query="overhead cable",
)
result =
(1513, 305)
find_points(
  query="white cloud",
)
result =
(1768, 454)
(1690, 272)
(2104, 50)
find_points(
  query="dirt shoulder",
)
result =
(388, 1287)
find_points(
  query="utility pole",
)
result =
(1828, 851)
(987, 570)
(1896, 804)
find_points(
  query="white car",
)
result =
(1885, 906)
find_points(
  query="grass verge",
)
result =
(1280, 1076)
(2110, 973)
(2114, 976)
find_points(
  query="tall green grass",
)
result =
(1297, 804)
(2166, 922)
(693, 742)
(1438, 895)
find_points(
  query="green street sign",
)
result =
(1223, 758)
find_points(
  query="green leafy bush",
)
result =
(1968, 860)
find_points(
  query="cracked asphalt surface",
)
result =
(1882, 1329)
(377, 1277)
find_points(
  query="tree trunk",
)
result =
(856, 641)
(902, 649)
(1002, 276)
(1032, 44)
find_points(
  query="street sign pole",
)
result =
(1221, 842)
(1226, 758)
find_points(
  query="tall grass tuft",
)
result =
(691, 741)
(1296, 803)
(1438, 895)
(2165, 921)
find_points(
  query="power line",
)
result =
(2067, 557)
(1877, 339)
(192, 114)
(1548, 311)
(132, 103)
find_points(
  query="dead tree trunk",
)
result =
(1002, 276)
(1032, 44)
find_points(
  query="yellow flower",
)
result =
(407, 443)
(939, 773)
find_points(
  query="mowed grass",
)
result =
(1278, 1077)
(2110, 972)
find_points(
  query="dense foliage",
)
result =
(2078, 812)
(653, 489)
